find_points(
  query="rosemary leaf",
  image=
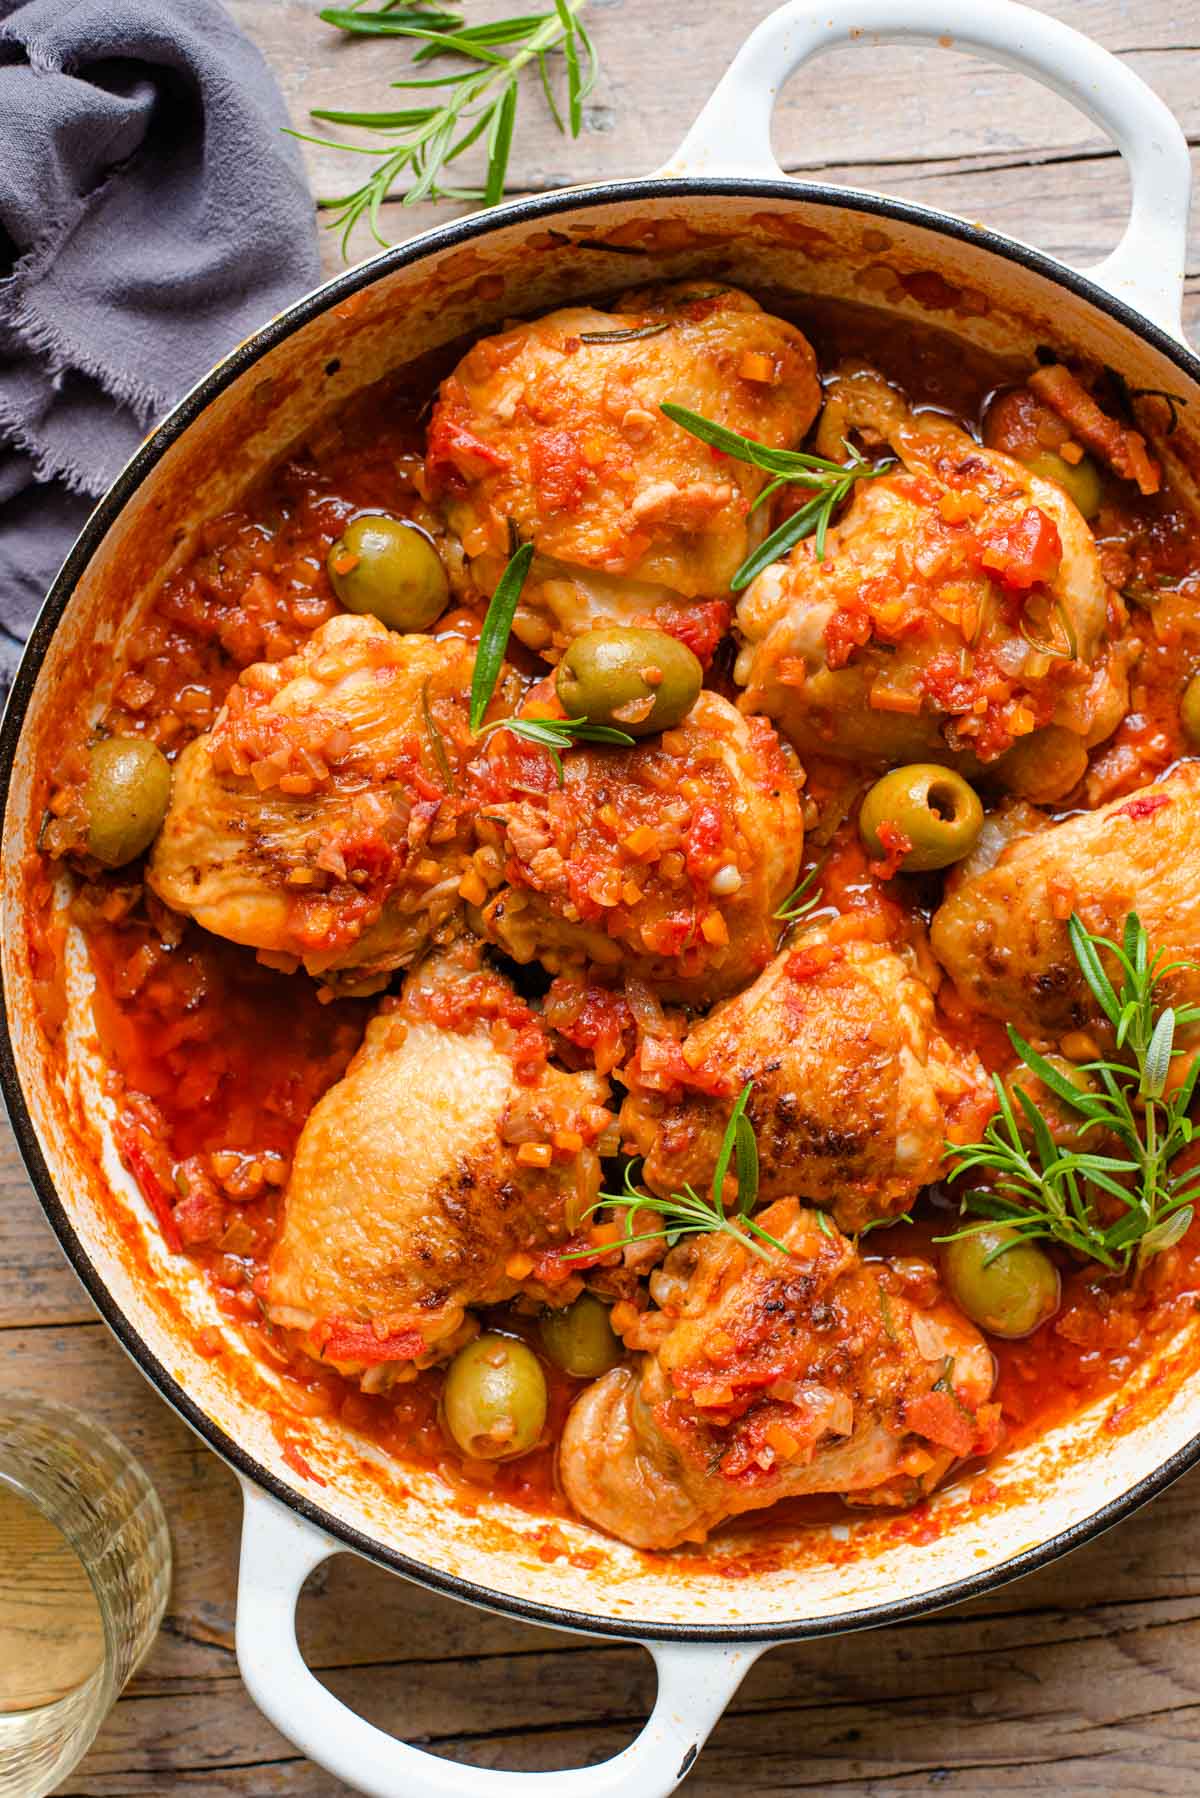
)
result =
(631, 336)
(500, 135)
(685, 1212)
(392, 22)
(800, 901)
(832, 481)
(493, 638)
(478, 101)
(556, 734)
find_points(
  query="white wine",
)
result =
(51, 1630)
(84, 1566)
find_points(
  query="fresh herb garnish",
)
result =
(481, 103)
(686, 1212)
(832, 482)
(632, 335)
(497, 626)
(556, 734)
(436, 740)
(1045, 1190)
(1069, 653)
(797, 905)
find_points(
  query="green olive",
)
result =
(390, 568)
(580, 1339)
(638, 680)
(1080, 481)
(128, 791)
(1006, 1286)
(933, 807)
(494, 1398)
(1189, 711)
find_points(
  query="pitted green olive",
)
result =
(389, 568)
(634, 679)
(1189, 711)
(1080, 480)
(127, 794)
(1007, 1286)
(580, 1339)
(933, 807)
(494, 1398)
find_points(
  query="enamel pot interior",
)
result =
(460, 280)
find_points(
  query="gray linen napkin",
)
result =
(152, 214)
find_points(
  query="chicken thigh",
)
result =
(959, 615)
(769, 1379)
(554, 428)
(854, 1088)
(1001, 931)
(430, 1178)
(316, 822)
(668, 859)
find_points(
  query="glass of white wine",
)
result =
(85, 1563)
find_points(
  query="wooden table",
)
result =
(1085, 1677)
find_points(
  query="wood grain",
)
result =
(1084, 1677)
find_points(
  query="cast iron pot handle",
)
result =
(732, 136)
(279, 1551)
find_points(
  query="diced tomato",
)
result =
(359, 1343)
(896, 846)
(559, 471)
(200, 1215)
(1145, 807)
(847, 630)
(151, 1189)
(700, 627)
(702, 845)
(455, 454)
(941, 1418)
(1025, 553)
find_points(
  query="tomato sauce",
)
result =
(220, 1059)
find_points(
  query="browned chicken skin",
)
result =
(669, 859)
(852, 1087)
(919, 636)
(554, 427)
(1001, 932)
(409, 1194)
(772, 1379)
(314, 822)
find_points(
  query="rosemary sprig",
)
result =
(497, 627)
(800, 901)
(689, 1214)
(832, 483)
(480, 102)
(1069, 649)
(556, 734)
(1045, 1190)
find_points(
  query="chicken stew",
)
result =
(640, 902)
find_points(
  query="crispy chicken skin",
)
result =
(770, 1379)
(917, 637)
(314, 821)
(560, 435)
(409, 1196)
(854, 1086)
(1001, 931)
(669, 859)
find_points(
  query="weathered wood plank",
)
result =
(927, 124)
